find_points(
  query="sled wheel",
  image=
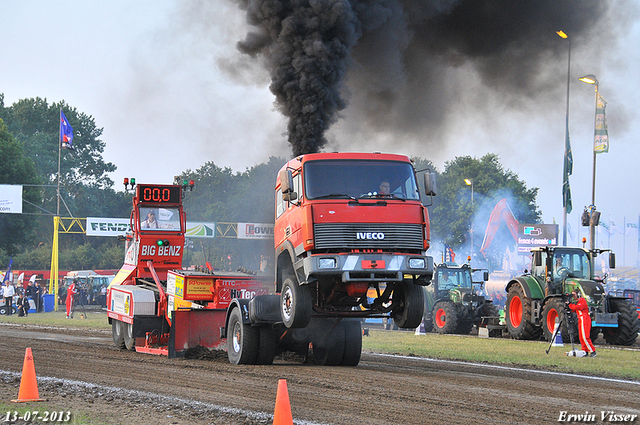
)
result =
(129, 340)
(243, 341)
(117, 330)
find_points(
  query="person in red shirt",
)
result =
(71, 292)
(584, 322)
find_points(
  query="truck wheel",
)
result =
(243, 341)
(267, 346)
(129, 340)
(352, 343)
(445, 317)
(329, 345)
(518, 315)
(627, 330)
(553, 309)
(408, 304)
(296, 304)
(117, 330)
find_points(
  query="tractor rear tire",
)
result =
(296, 304)
(518, 315)
(117, 331)
(408, 302)
(445, 317)
(627, 330)
(242, 341)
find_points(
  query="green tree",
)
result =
(16, 168)
(452, 214)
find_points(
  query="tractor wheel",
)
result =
(518, 315)
(489, 309)
(352, 343)
(267, 346)
(117, 330)
(296, 304)
(445, 317)
(627, 330)
(408, 304)
(553, 309)
(595, 333)
(329, 345)
(129, 340)
(464, 327)
(243, 341)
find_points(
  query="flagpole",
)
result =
(53, 274)
(567, 189)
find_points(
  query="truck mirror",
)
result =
(286, 185)
(537, 258)
(430, 184)
(612, 260)
(485, 276)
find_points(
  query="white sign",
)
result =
(200, 230)
(255, 231)
(97, 226)
(11, 198)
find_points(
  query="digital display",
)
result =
(159, 194)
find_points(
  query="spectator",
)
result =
(8, 294)
(23, 306)
(71, 292)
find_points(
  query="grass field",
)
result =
(614, 362)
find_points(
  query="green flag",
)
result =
(567, 171)
(601, 142)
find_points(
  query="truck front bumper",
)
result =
(369, 267)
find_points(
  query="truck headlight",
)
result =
(327, 263)
(416, 263)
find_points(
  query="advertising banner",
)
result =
(535, 235)
(11, 198)
(255, 231)
(97, 226)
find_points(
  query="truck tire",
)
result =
(296, 304)
(329, 344)
(267, 346)
(408, 304)
(129, 340)
(352, 343)
(627, 330)
(445, 317)
(518, 315)
(243, 341)
(554, 308)
(117, 331)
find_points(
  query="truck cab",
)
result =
(345, 223)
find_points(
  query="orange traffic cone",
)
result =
(282, 415)
(28, 383)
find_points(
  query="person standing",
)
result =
(8, 292)
(584, 322)
(72, 290)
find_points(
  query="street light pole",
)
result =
(469, 182)
(565, 190)
(591, 79)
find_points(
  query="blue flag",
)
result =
(6, 275)
(66, 132)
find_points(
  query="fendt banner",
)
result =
(534, 235)
(11, 198)
(100, 226)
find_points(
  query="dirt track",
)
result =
(81, 371)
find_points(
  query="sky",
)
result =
(172, 91)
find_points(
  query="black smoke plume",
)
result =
(396, 53)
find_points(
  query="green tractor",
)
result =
(452, 305)
(536, 299)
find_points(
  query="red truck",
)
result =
(345, 223)
(351, 236)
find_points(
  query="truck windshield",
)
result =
(350, 178)
(163, 219)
